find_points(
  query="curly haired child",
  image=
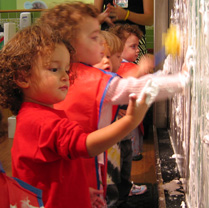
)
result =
(131, 34)
(48, 147)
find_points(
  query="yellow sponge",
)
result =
(171, 41)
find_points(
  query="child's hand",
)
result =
(184, 68)
(137, 108)
(96, 200)
(146, 65)
(188, 66)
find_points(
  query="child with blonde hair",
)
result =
(120, 155)
(113, 48)
(48, 146)
(95, 92)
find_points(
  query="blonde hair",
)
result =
(113, 42)
(19, 56)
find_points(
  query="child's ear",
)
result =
(21, 81)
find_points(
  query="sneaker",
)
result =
(137, 190)
(137, 157)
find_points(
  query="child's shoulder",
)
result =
(36, 112)
(128, 69)
(86, 72)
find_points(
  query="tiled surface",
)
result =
(15, 18)
(150, 37)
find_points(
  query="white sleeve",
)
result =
(120, 88)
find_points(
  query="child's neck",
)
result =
(27, 99)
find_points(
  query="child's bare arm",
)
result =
(102, 139)
(146, 65)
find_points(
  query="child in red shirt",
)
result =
(48, 146)
(130, 35)
(120, 155)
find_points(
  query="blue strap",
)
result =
(97, 172)
(37, 192)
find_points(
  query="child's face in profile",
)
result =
(131, 51)
(49, 84)
(116, 60)
(105, 63)
(88, 45)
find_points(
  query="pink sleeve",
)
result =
(120, 88)
(168, 85)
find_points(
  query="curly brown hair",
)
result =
(19, 56)
(123, 31)
(65, 18)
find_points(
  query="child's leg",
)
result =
(113, 175)
(112, 196)
(148, 121)
(137, 143)
(126, 162)
(140, 141)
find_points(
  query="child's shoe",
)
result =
(137, 157)
(137, 190)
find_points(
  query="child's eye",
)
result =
(53, 69)
(134, 46)
(95, 37)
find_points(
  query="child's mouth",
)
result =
(63, 88)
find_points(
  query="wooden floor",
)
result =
(143, 171)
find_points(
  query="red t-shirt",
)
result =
(128, 69)
(46, 153)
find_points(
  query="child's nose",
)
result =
(65, 75)
(106, 60)
(137, 50)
